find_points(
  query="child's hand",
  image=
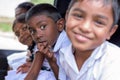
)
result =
(24, 67)
(45, 49)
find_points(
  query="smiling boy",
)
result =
(89, 23)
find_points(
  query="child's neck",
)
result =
(81, 57)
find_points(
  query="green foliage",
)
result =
(6, 27)
(42, 1)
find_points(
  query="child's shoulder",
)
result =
(112, 51)
(112, 47)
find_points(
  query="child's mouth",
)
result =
(41, 41)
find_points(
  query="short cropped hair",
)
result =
(115, 7)
(44, 9)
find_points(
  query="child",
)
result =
(17, 61)
(89, 23)
(19, 22)
(23, 8)
(46, 27)
(21, 31)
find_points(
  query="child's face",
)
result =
(23, 34)
(89, 24)
(43, 29)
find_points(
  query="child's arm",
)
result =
(36, 66)
(49, 55)
(52, 62)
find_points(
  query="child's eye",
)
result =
(100, 22)
(42, 27)
(78, 15)
(32, 31)
(24, 28)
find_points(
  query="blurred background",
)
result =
(7, 13)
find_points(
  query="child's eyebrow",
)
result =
(39, 22)
(101, 16)
(80, 10)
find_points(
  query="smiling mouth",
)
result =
(81, 38)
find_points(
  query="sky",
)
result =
(7, 7)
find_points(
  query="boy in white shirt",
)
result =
(89, 23)
(47, 29)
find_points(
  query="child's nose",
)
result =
(86, 26)
(38, 36)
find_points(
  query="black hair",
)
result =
(20, 19)
(25, 5)
(115, 7)
(44, 9)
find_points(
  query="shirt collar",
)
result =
(60, 41)
(96, 54)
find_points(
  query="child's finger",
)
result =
(50, 55)
(21, 66)
(41, 44)
(18, 70)
(26, 69)
(46, 50)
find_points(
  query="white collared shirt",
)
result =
(103, 64)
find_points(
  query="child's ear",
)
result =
(112, 31)
(60, 24)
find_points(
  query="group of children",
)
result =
(81, 51)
